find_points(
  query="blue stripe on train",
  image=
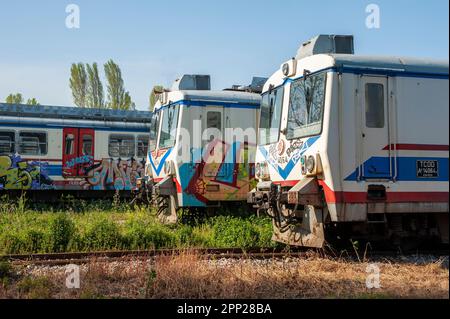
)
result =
(189, 103)
(74, 125)
(406, 167)
(54, 170)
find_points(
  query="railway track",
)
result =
(55, 259)
(210, 253)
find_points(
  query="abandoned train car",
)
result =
(354, 145)
(191, 162)
(85, 152)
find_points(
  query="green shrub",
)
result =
(102, 235)
(160, 237)
(198, 237)
(11, 243)
(61, 232)
(265, 229)
(98, 225)
(234, 232)
(140, 235)
(184, 235)
(241, 232)
(35, 241)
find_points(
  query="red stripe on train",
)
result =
(333, 197)
(417, 147)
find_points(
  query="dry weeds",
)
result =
(189, 276)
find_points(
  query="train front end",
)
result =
(339, 154)
(201, 149)
(290, 154)
(160, 185)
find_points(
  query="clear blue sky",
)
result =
(233, 40)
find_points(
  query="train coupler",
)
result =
(165, 195)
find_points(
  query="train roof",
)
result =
(366, 64)
(75, 113)
(404, 64)
(214, 96)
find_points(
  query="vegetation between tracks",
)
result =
(74, 225)
(188, 276)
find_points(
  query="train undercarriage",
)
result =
(301, 218)
(163, 197)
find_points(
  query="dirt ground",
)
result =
(190, 276)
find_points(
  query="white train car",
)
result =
(91, 152)
(354, 144)
(191, 162)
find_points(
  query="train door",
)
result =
(78, 151)
(214, 148)
(377, 158)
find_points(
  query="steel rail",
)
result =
(207, 253)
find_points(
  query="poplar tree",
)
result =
(118, 98)
(78, 84)
(94, 96)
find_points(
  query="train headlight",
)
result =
(289, 68)
(310, 164)
(303, 164)
(285, 69)
(257, 170)
(262, 171)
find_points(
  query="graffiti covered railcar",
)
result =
(86, 152)
(202, 146)
(354, 146)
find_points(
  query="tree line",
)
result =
(87, 88)
(17, 98)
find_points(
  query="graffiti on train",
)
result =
(19, 174)
(112, 174)
(85, 159)
(225, 173)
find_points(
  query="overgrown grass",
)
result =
(76, 225)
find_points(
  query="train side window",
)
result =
(32, 143)
(214, 120)
(154, 127)
(70, 139)
(374, 105)
(142, 146)
(168, 134)
(87, 144)
(7, 142)
(121, 146)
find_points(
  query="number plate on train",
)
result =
(427, 169)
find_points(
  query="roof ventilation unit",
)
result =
(192, 82)
(255, 87)
(325, 44)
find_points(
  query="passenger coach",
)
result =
(92, 152)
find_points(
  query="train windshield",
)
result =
(271, 106)
(306, 106)
(154, 126)
(169, 125)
